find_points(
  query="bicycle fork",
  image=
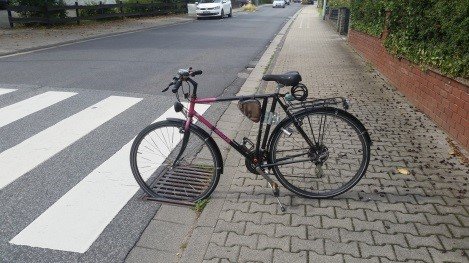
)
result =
(272, 185)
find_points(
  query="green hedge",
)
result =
(431, 33)
(42, 4)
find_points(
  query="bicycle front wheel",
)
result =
(192, 178)
(333, 162)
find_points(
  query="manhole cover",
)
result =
(181, 185)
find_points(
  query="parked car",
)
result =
(213, 8)
(278, 3)
(287, 2)
(3, 4)
(296, 1)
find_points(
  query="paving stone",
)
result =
(298, 244)
(350, 259)
(423, 241)
(439, 256)
(265, 229)
(459, 232)
(331, 233)
(443, 219)
(274, 242)
(320, 211)
(281, 256)
(360, 225)
(349, 213)
(362, 236)
(414, 208)
(425, 230)
(401, 228)
(163, 235)
(454, 243)
(223, 226)
(362, 204)
(319, 258)
(337, 223)
(247, 217)
(333, 248)
(297, 220)
(147, 255)
(215, 251)
(403, 254)
(255, 207)
(197, 244)
(235, 206)
(176, 214)
(277, 219)
(386, 216)
(254, 255)
(219, 238)
(415, 218)
(240, 240)
(226, 215)
(397, 207)
(298, 231)
(389, 239)
(368, 251)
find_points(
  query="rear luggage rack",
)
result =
(341, 101)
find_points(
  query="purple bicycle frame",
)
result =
(191, 113)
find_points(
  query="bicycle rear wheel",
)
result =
(152, 156)
(337, 160)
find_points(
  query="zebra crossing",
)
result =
(77, 219)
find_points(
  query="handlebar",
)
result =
(183, 75)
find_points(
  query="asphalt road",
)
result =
(139, 62)
(105, 91)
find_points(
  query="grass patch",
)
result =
(249, 8)
(200, 205)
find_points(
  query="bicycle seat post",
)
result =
(279, 86)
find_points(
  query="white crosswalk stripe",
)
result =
(5, 91)
(77, 219)
(28, 154)
(29, 106)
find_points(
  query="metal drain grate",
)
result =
(181, 185)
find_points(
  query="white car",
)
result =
(278, 3)
(213, 8)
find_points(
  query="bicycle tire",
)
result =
(298, 184)
(197, 189)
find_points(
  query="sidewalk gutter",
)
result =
(197, 242)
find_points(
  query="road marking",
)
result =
(77, 219)
(29, 106)
(25, 156)
(5, 91)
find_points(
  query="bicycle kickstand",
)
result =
(272, 185)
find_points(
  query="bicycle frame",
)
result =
(260, 146)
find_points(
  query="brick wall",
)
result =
(443, 99)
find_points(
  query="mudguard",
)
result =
(328, 109)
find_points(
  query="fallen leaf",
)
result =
(403, 171)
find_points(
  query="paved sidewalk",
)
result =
(387, 217)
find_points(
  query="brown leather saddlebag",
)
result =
(251, 108)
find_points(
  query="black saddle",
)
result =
(291, 78)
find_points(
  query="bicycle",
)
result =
(317, 151)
